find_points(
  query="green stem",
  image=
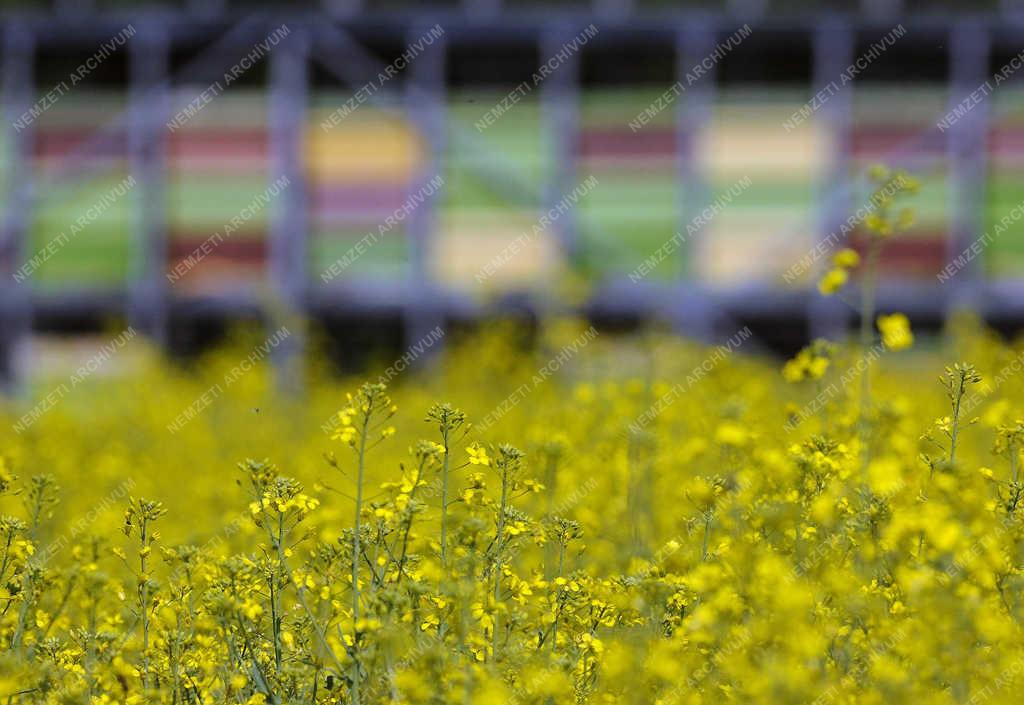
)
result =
(355, 557)
(300, 593)
(275, 598)
(497, 553)
(27, 589)
(408, 523)
(554, 623)
(707, 535)
(144, 602)
(956, 422)
(444, 502)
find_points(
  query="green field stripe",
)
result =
(387, 257)
(75, 264)
(97, 253)
(1005, 253)
(210, 202)
(469, 106)
(899, 105)
(763, 192)
(625, 214)
(466, 189)
(604, 110)
(66, 205)
(84, 110)
(622, 250)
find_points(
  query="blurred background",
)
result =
(382, 168)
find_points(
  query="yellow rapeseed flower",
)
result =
(896, 333)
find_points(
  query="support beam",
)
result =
(691, 310)
(482, 8)
(612, 9)
(147, 147)
(16, 286)
(747, 10)
(966, 150)
(207, 8)
(425, 101)
(833, 51)
(74, 7)
(560, 104)
(289, 226)
(881, 10)
(342, 8)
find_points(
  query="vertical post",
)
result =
(1009, 8)
(15, 286)
(969, 50)
(147, 142)
(561, 115)
(881, 9)
(288, 95)
(425, 97)
(692, 312)
(207, 8)
(747, 9)
(833, 53)
(74, 7)
(482, 8)
(342, 8)
(612, 9)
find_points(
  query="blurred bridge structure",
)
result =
(411, 162)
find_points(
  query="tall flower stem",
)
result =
(444, 500)
(955, 432)
(448, 419)
(355, 552)
(144, 603)
(499, 544)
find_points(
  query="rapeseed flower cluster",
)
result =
(872, 554)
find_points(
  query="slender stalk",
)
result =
(275, 597)
(90, 653)
(144, 601)
(7, 555)
(28, 584)
(707, 535)
(549, 484)
(960, 377)
(497, 552)
(554, 623)
(444, 501)
(300, 593)
(355, 554)
(23, 611)
(954, 434)
(408, 523)
(1014, 467)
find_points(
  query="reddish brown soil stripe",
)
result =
(885, 140)
(383, 198)
(241, 247)
(209, 143)
(924, 252)
(50, 144)
(623, 143)
(186, 143)
(1006, 139)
